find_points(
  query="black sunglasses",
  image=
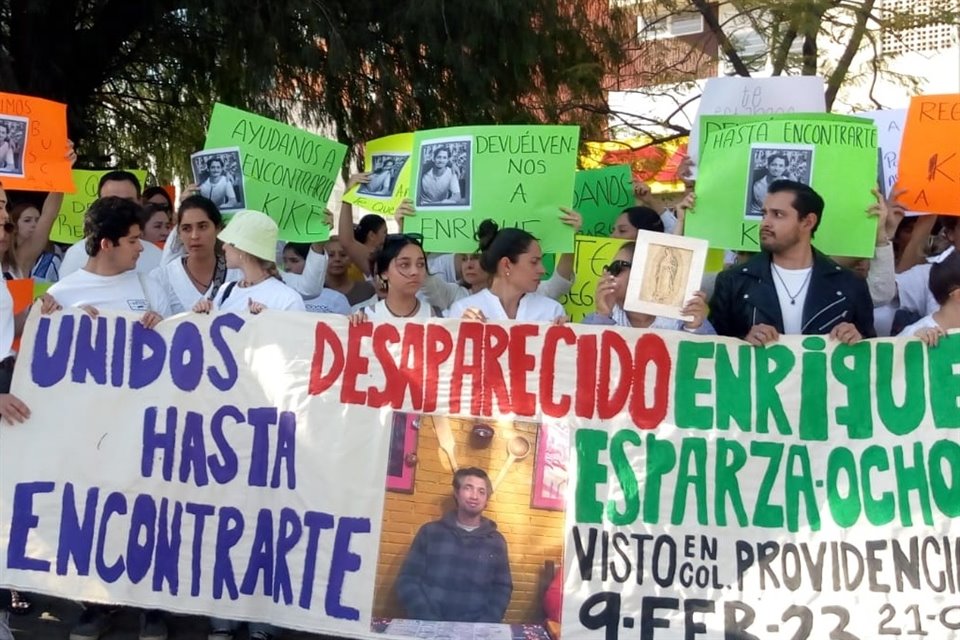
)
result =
(416, 238)
(617, 267)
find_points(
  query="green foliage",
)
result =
(141, 76)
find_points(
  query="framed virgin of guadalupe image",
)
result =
(666, 271)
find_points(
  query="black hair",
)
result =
(805, 200)
(370, 223)
(118, 176)
(945, 277)
(441, 148)
(392, 246)
(204, 204)
(947, 223)
(475, 472)
(149, 192)
(149, 210)
(774, 156)
(496, 243)
(302, 249)
(644, 219)
(110, 219)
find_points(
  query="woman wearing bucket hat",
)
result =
(249, 244)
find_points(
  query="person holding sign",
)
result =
(250, 244)
(457, 569)
(110, 280)
(200, 273)
(945, 288)
(514, 261)
(612, 291)
(31, 233)
(439, 184)
(790, 287)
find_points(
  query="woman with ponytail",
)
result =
(513, 260)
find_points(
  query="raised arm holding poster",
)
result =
(600, 195)
(388, 162)
(591, 255)
(755, 97)
(742, 155)
(517, 175)
(33, 144)
(68, 227)
(713, 489)
(288, 173)
(930, 155)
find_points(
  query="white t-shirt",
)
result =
(329, 301)
(76, 258)
(128, 291)
(926, 322)
(791, 282)
(379, 311)
(173, 280)
(533, 307)
(7, 330)
(271, 293)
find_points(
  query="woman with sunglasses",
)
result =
(612, 290)
(399, 269)
(513, 260)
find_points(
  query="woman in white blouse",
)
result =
(399, 269)
(188, 279)
(514, 261)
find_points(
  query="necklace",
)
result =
(793, 296)
(200, 285)
(416, 308)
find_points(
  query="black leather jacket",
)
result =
(745, 295)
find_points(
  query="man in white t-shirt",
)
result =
(118, 184)
(790, 287)
(109, 280)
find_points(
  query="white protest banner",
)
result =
(890, 124)
(236, 465)
(756, 97)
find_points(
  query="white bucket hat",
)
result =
(254, 233)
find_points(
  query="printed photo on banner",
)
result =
(218, 173)
(446, 178)
(665, 273)
(385, 169)
(498, 483)
(769, 163)
(13, 144)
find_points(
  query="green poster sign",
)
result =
(741, 155)
(288, 173)
(600, 195)
(518, 176)
(68, 227)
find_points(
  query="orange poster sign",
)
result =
(33, 144)
(930, 155)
